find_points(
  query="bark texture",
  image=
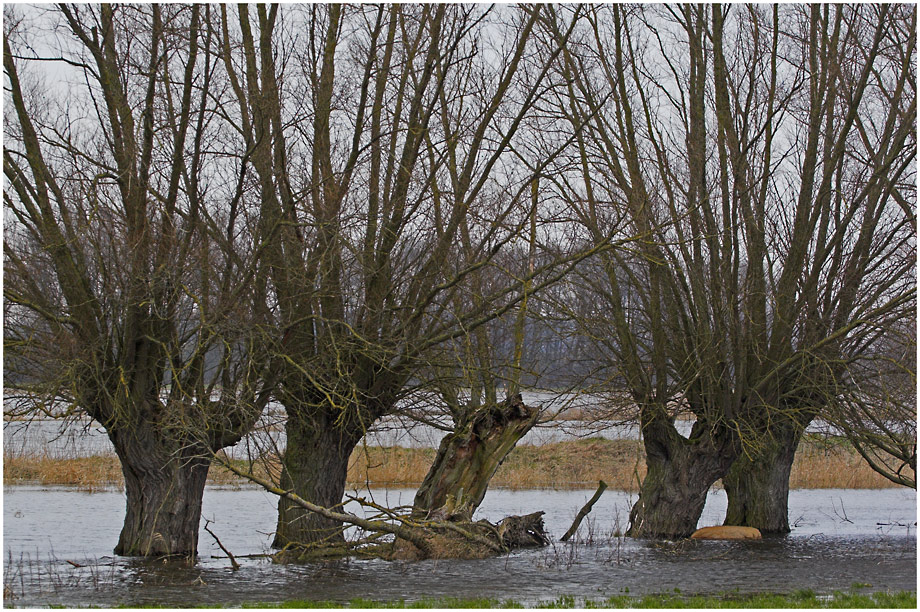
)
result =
(468, 540)
(680, 473)
(315, 465)
(758, 485)
(164, 484)
(468, 458)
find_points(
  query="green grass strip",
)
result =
(797, 599)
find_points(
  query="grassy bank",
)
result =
(799, 599)
(571, 464)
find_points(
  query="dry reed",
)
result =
(570, 464)
(87, 473)
(389, 466)
(574, 464)
(820, 465)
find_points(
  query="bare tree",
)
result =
(382, 141)
(125, 291)
(848, 280)
(768, 237)
(484, 430)
(879, 418)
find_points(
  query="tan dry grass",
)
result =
(570, 464)
(819, 465)
(87, 473)
(395, 466)
(574, 464)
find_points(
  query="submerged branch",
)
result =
(427, 539)
(601, 487)
(399, 531)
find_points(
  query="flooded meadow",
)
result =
(58, 542)
(58, 551)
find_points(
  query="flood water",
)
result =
(840, 537)
(86, 439)
(57, 542)
(50, 437)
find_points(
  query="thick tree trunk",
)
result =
(164, 484)
(468, 458)
(315, 467)
(758, 485)
(680, 473)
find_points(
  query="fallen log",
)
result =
(601, 487)
(463, 540)
(525, 531)
(414, 538)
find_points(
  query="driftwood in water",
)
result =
(601, 487)
(415, 539)
(468, 458)
(523, 531)
(451, 539)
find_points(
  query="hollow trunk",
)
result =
(680, 473)
(315, 466)
(468, 458)
(758, 485)
(164, 484)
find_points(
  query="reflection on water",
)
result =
(840, 537)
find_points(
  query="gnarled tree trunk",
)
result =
(429, 540)
(468, 458)
(164, 485)
(680, 473)
(315, 466)
(758, 485)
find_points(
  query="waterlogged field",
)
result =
(86, 438)
(573, 454)
(58, 542)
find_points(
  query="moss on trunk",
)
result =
(757, 485)
(680, 473)
(468, 458)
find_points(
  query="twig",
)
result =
(499, 547)
(343, 517)
(391, 513)
(230, 556)
(407, 531)
(844, 517)
(601, 487)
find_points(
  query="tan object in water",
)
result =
(727, 532)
